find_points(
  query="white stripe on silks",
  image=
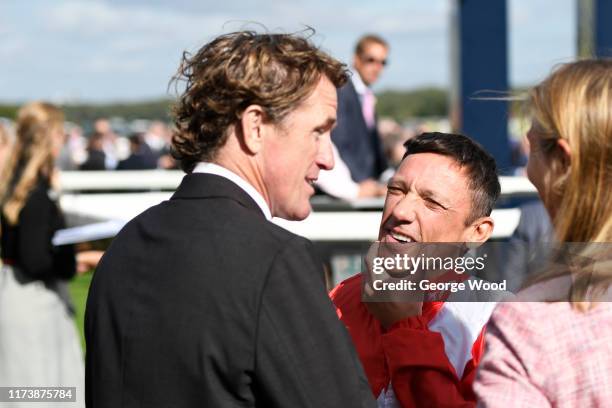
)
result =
(460, 324)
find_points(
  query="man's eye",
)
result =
(433, 204)
(394, 190)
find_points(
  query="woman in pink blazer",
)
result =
(557, 352)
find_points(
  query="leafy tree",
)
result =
(403, 105)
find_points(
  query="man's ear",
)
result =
(480, 230)
(251, 126)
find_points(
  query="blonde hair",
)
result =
(575, 104)
(31, 156)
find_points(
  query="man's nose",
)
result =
(325, 155)
(405, 209)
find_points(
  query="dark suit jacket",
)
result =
(95, 161)
(528, 248)
(360, 147)
(138, 161)
(201, 302)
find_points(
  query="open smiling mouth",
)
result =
(400, 237)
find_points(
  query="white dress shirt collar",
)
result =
(212, 168)
(358, 83)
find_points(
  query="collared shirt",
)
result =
(360, 87)
(212, 168)
(366, 99)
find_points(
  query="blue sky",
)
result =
(122, 50)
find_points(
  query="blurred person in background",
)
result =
(393, 138)
(157, 136)
(141, 156)
(166, 160)
(527, 250)
(558, 352)
(356, 135)
(109, 143)
(39, 345)
(96, 156)
(74, 151)
(64, 160)
(338, 183)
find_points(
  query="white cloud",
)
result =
(98, 19)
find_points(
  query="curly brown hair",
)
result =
(236, 70)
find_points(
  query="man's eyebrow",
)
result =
(396, 182)
(432, 195)
(423, 192)
(328, 124)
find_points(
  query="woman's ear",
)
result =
(566, 153)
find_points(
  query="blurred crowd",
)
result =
(147, 143)
(144, 145)
(139, 145)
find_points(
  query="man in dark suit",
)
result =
(356, 135)
(527, 250)
(96, 158)
(201, 301)
(141, 156)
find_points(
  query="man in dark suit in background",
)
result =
(356, 135)
(141, 156)
(526, 252)
(201, 301)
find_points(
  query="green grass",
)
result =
(78, 290)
